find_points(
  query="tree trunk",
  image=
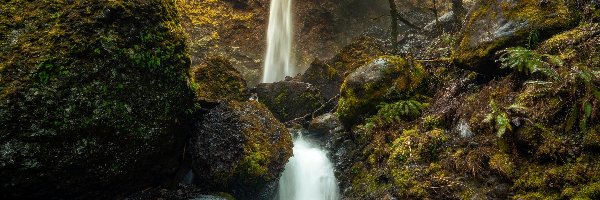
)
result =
(459, 12)
(394, 31)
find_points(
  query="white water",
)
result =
(278, 61)
(308, 175)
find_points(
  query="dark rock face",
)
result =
(289, 100)
(325, 77)
(237, 29)
(325, 125)
(91, 95)
(240, 148)
(494, 25)
(216, 79)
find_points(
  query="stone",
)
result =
(92, 97)
(239, 148)
(289, 100)
(494, 25)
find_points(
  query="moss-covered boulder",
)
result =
(494, 25)
(216, 79)
(240, 148)
(289, 100)
(328, 75)
(91, 97)
(385, 78)
(325, 77)
(580, 45)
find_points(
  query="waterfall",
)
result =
(308, 175)
(278, 61)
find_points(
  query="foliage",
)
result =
(500, 118)
(528, 62)
(398, 111)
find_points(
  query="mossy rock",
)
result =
(494, 25)
(92, 97)
(356, 54)
(216, 79)
(385, 78)
(325, 77)
(289, 100)
(240, 148)
(580, 45)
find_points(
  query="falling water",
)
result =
(308, 175)
(278, 61)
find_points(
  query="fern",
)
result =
(398, 111)
(500, 118)
(528, 62)
(502, 124)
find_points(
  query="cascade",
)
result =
(308, 175)
(278, 60)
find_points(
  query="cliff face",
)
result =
(91, 96)
(237, 29)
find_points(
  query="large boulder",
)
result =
(494, 25)
(328, 76)
(385, 78)
(325, 77)
(289, 100)
(216, 79)
(91, 97)
(240, 148)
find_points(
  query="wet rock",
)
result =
(289, 100)
(494, 25)
(384, 78)
(180, 192)
(325, 77)
(92, 95)
(325, 124)
(445, 23)
(239, 148)
(216, 79)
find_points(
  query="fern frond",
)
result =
(527, 62)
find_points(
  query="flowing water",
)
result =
(278, 61)
(308, 175)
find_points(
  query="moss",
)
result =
(592, 138)
(432, 121)
(216, 79)
(589, 191)
(112, 72)
(503, 164)
(399, 78)
(477, 48)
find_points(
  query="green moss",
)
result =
(112, 72)
(503, 164)
(546, 19)
(400, 78)
(589, 191)
(432, 121)
(217, 79)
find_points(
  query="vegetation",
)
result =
(528, 62)
(452, 100)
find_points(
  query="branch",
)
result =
(408, 23)
(312, 115)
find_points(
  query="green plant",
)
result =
(398, 111)
(528, 62)
(533, 39)
(500, 118)
(585, 77)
